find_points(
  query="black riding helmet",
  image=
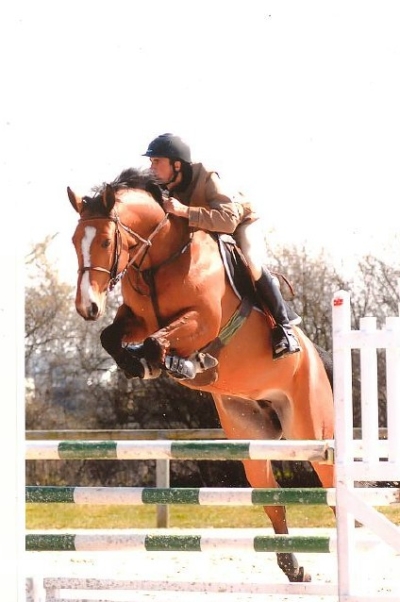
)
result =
(169, 146)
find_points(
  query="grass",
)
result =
(72, 516)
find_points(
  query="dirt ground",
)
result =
(235, 576)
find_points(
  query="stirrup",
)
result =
(179, 367)
(284, 342)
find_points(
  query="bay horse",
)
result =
(181, 314)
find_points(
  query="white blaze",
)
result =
(86, 290)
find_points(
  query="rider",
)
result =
(200, 196)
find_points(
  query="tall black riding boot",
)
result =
(284, 341)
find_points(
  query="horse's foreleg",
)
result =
(126, 359)
(175, 347)
(130, 359)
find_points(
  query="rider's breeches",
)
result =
(251, 239)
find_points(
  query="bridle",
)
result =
(143, 248)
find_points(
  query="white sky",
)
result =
(296, 102)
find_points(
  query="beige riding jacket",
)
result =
(211, 206)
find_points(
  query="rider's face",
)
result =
(162, 168)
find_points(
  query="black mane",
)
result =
(142, 179)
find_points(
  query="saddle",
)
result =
(241, 280)
(237, 269)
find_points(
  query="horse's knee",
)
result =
(109, 341)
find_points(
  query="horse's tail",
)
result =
(327, 360)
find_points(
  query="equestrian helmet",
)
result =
(169, 146)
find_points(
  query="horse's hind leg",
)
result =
(246, 419)
(326, 474)
(260, 474)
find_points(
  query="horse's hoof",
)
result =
(152, 350)
(130, 365)
(300, 576)
(128, 375)
(134, 370)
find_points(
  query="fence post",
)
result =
(162, 480)
(343, 396)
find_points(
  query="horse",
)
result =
(182, 314)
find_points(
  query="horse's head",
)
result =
(97, 242)
(106, 241)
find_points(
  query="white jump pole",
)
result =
(393, 393)
(369, 394)
(341, 327)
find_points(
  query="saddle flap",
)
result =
(237, 269)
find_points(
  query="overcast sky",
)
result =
(296, 102)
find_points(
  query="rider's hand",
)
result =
(172, 205)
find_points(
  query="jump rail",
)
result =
(54, 585)
(179, 450)
(202, 496)
(183, 541)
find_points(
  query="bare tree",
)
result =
(63, 357)
(314, 280)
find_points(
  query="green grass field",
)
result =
(72, 516)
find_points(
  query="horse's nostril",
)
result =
(94, 310)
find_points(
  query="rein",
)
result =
(146, 244)
(148, 273)
(149, 276)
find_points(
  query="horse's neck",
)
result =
(142, 214)
(138, 210)
(173, 236)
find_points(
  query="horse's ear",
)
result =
(108, 198)
(75, 200)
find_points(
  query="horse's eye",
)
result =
(106, 243)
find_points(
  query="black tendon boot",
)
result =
(284, 341)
